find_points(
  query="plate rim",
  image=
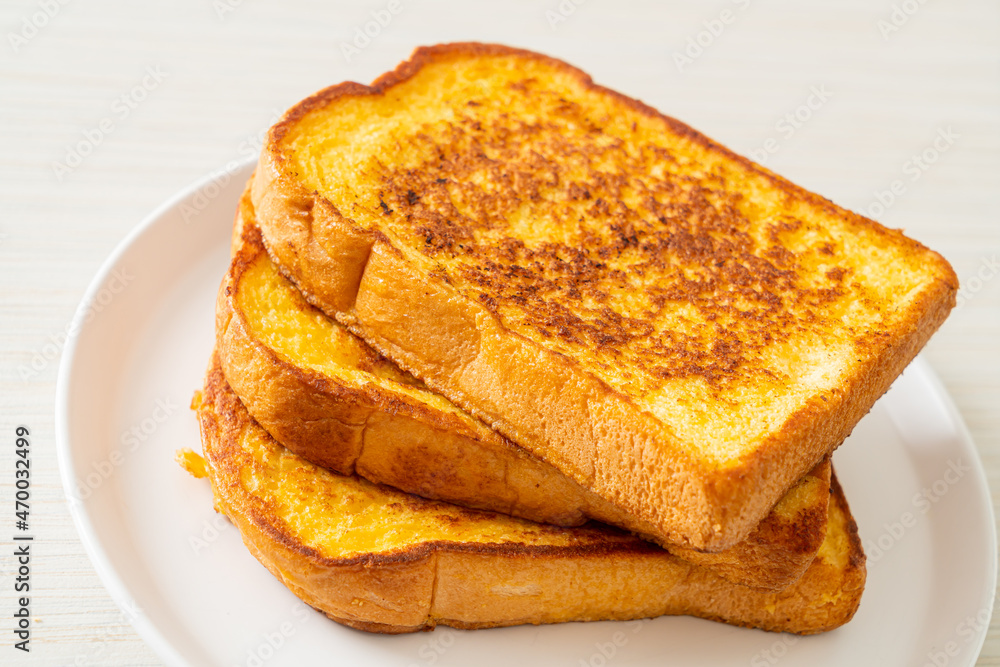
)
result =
(149, 631)
(967, 442)
(82, 521)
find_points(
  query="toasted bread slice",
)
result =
(381, 560)
(328, 397)
(674, 327)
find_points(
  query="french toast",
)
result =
(381, 560)
(674, 327)
(329, 398)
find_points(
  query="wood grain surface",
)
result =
(107, 108)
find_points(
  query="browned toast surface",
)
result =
(330, 398)
(672, 326)
(385, 561)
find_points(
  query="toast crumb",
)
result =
(191, 461)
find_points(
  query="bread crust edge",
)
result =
(468, 586)
(703, 508)
(331, 423)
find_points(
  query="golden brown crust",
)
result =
(599, 573)
(603, 438)
(394, 439)
(783, 545)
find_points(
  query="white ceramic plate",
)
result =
(182, 576)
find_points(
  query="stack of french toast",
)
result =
(498, 345)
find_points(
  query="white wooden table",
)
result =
(109, 107)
